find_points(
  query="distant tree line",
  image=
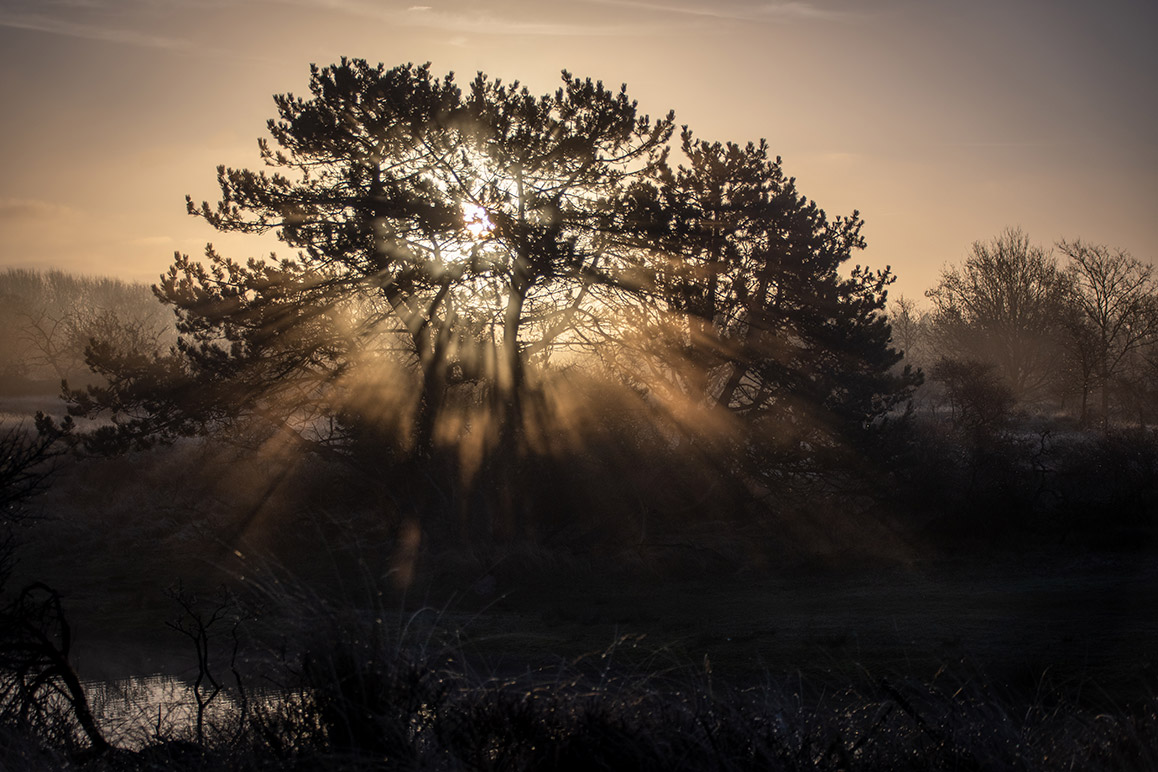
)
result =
(1015, 327)
(50, 317)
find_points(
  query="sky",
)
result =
(942, 122)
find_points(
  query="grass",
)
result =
(515, 672)
(360, 694)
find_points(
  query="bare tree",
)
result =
(911, 330)
(1116, 298)
(1004, 305)
(52, 317)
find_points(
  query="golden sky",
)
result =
(942, 121)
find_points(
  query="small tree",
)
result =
(27, 461)
(35, 645)
(52, 316)
(911, 330)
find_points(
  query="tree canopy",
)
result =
(1114, 316)
(754, 304)
(458, 250)
(1004, 305)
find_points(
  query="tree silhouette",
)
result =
(459, 231)
(1116, 302)
(756, 319)
(457, 249)
(1005, 305)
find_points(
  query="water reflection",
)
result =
(136, 711)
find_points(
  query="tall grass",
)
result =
(352, 688)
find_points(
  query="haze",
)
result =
(941, 122)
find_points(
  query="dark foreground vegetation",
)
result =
(318, 631)
(358, 698)
(545, 451)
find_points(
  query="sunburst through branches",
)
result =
(518, 293)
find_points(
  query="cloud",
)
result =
(468, 19)
(16, 209)
(734, 11)
(55, 25)
(120, 21)
(530, 20)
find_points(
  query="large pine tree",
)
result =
(443, 238)
(453, 247)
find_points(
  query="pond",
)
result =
(137, 711)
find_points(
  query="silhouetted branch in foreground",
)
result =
(198, 619)
(35, 640)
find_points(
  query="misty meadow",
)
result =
(555, 436)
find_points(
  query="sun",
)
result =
(476, 221)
